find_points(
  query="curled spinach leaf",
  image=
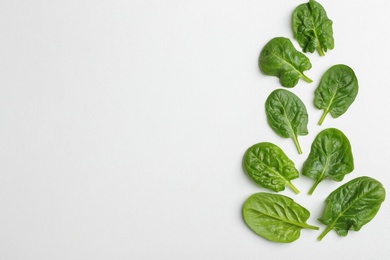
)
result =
(312, 28)
(275, 217)
(352, 205)
(287, 115)
(337, 91)
(330, 157)
(279, 58)
(270, 167)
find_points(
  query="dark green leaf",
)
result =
(275, 217)
(330, 157)
(287, 115)
(270, 167)
(312, 28)
(352, 205)
(279, 58)
(337, 91)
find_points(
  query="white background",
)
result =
(123, 125)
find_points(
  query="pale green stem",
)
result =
(320, 51)
(325, 232)
(323, 117)
(293, 187)
(306, 78)
(312, 227)
(314, 186)
(297, 144)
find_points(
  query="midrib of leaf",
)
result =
(319, 47)
(330, 227)
(326, 110)
(292, 66)
(294, 135)
(321, 176)
(298, 224)
(314, 28)
(287, 182)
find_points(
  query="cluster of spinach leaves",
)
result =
(279, 218)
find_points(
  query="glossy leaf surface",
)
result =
(352, 205)
(330, 157)
(275, 217)
(312, 28)
(287, 115)
(269, 166)
(279, 58)
(337, 91)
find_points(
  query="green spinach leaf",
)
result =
(287, 115)
(337, 91)
(330, 157)
(270, 167)
(279, 58)
(312, 28)
(275, 217)
(352, 205)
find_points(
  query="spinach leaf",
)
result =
(279, 58)
(352, 205)
(269, 166)
(312, 28)
(287, 115)
(275, 217)
(330, 157)
(337, 91)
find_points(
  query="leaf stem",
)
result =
(329, 228)
(306, 78)
(323, 116)
(293, 187)
(312, 227)
(320, 51)
(297, 144)
(315, 186)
